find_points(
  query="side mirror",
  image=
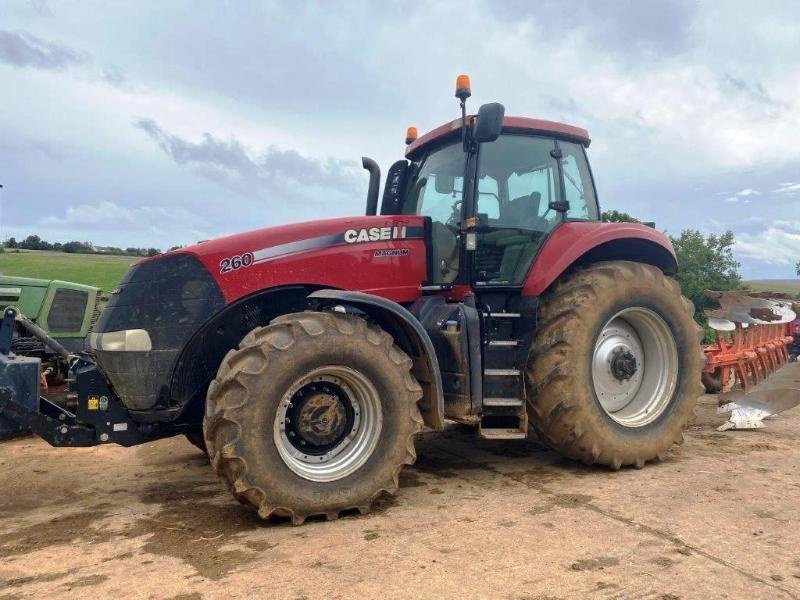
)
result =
(561, 206)
(490, 122)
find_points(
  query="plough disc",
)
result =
(778, 393)
(749, 360)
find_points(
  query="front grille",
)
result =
(99, 303)
(170, 297)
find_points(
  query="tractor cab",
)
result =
(492, 197)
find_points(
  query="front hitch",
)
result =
(99, 417)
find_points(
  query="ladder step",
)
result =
(504, 343)
(503, 402)
(501, 372)
(503, 434)
(505, 315)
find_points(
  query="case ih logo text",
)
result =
(374, 234)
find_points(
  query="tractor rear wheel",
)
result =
(614, 370)
(313, 415)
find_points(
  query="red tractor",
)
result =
(484, 289)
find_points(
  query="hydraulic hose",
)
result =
(39, 333)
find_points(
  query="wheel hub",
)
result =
(623, 364)
(328, 423)
(634, 366)
(321, 416)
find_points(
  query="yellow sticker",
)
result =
(93, 403)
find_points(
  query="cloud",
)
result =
(743, 194)
(115, 216)
(21, 49)
(774, 245)
(113, 76)
(788, 188)
(616, 25)
(230, 164)
(109, 222)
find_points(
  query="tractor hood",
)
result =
(383, 255)
(164, 301)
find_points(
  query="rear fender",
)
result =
(581, 243)
(408, 334)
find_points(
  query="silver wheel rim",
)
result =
(356, 445)
(635, 367)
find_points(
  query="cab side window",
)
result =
(578, 188)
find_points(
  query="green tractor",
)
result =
(57, 316)
(65, 311)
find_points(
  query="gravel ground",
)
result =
(473, 519)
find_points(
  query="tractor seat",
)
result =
(520, 238)
(523, 212)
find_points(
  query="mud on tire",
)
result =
(563, 405)
(249, 391)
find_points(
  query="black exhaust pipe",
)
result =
(374, 184)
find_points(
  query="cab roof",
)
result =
(510, 124)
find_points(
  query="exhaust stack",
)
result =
(374, 184)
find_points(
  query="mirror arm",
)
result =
(464, 140)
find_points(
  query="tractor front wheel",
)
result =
(312, 415)
(614, 371)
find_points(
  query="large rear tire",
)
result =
(197, 440)
(313, 414)
(614, 371)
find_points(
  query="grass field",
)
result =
(98, 270)
(787, 286)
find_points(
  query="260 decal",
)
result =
(232, 263)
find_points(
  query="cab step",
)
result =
(501, 372)
(504, 342)
(504, 427)
(503, 402)
(502, 434)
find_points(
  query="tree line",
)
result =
(34, 242)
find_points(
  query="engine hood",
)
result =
(384, 255)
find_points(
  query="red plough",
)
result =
(748, 362)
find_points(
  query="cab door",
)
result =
(522, 183)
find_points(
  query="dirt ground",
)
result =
(474, 519)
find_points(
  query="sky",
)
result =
(164, 123)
